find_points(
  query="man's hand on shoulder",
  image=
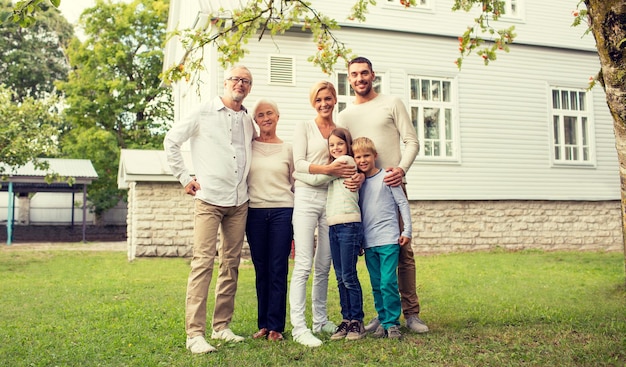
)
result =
(393, 176)
(355, 182)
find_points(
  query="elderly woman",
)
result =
(268, 229)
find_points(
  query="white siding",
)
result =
(503, 109)
(545, 23)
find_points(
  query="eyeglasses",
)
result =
(236, 79)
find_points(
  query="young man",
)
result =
(382, 242)
(220, 133)
(385, 120)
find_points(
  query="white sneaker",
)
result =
(198, 345)
(226, 335)
(329, 327)
(308, 339)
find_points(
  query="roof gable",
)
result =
(146, 165)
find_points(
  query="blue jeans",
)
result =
(269, 232)
(382, 262)
(345, 244)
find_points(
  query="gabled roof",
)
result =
(27, 178)
(146, 165)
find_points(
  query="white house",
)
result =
(517, 154)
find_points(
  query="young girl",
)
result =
(346, 233)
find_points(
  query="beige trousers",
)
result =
(208, 219)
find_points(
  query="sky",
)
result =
(71, 9)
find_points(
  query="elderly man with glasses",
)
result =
(220, 133)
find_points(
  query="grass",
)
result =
(528, 308)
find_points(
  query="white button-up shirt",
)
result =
(220, 165)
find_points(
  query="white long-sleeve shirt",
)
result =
(217, 165)
(309, 147)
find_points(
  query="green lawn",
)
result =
(529, 308)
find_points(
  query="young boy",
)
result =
(379, 215)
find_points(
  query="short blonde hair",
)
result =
(363, 144)
(320, 86)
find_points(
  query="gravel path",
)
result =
(77, 246)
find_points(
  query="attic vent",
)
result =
(282, 70)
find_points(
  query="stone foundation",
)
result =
(160, 223)
(447, 226)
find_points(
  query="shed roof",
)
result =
(28, 178)
(146, 165)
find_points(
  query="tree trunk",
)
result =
(607, 20)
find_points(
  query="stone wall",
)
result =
(446, 226)
(160, 223)
(160, 220)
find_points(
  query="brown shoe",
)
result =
(275, 336)
(260, 334)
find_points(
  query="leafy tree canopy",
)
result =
(114, 83)
(114, 95)
(33, 58)
(28, 130)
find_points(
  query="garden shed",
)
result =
(160, 214)
(74, 176)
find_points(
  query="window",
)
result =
(571, 127)
(513, 9)
(432, 111)
(345, 94)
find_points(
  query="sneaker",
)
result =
(342, 331)
(416, 325)
(308, 339)
(394, 332)
(226, 335)
(329, 327)
(373, 325)
(198, 345)
(380, 332)
(356, 330)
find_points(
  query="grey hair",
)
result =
(229, 72)
(265, 101)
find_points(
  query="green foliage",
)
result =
(230, 30)
(473, 41)
(99, 146)
(529, 308)
(28, 130)
(33, 58)
(114, 95)
(25, 11)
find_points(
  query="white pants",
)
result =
(309, 213)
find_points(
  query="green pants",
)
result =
(382, 263)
